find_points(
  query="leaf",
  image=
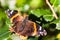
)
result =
(15, 37)
(4, 29)
(8, 22)
(58, 26)
(1, 23)
(20, 3)
(9, 38)
(36, 3)
(2, 14)
(4, 35)
(45, 25)
(36, 38)
(54, 2)
(36, 12)
(41, 12)
(48, 38)
(48, 17)
(56, 21)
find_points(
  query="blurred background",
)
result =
(38, 12)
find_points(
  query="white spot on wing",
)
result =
(11, 12)
(41, 33)
(40, 28)
(45, 33)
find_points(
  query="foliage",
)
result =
(38, 12)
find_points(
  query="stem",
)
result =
(54, 14)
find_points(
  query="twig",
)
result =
(54, 14)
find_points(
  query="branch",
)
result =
(54, 14)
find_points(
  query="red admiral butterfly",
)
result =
(23, 26)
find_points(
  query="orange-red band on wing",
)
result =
(35, 30)
(14, 16)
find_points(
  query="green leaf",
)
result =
(1, 23)
(48, 38)
(45, 25)
(58, 10)
(15, 37)
(9, 38)
(54, 2)
(4, 29)
(56, 21)
(48, 17)
(20, 3)
(2, 14)
(8, 22)
(36, 12)
(37, 3)
(4, 35)
(36, 38)
(58, 26)
(41, 12)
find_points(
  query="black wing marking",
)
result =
(41, 31)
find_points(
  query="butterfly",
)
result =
(23, 26)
